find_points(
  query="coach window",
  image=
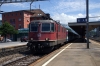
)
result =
(20, 26)
(34, 27)
(45, 26)
(52, 27)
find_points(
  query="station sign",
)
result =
(81, 20)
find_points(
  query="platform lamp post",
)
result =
(87, 22)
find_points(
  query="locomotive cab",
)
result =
(44, 35)
(41, 35)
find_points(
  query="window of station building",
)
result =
(12, 21)
(20, 26)
(20, 13)
(19, 19)
(52, 27)
(46, 27)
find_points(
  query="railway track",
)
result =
(20, 58)
(25, 61)
(17, 56)
(9, 51)
(8, 55)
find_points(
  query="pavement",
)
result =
(73, 54)
(11, 44)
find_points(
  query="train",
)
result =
(46, 35)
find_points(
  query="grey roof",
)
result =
(69, 29)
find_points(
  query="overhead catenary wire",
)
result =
(94, 17)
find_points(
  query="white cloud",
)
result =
(74, 5)
(68, 10)
(64, 18)
(22, 5)
(70, 5)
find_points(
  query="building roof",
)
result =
(37, 12)
(34, 12)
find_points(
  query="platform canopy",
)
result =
(80, 28)
(92, 25)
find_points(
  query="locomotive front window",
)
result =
(34, 27)
(45, 26)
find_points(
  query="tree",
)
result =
(7, 29)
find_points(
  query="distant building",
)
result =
(21, 19)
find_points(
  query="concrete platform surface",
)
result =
(74, 54)
(11, 44)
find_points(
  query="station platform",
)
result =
(73, 54)
(12, 44)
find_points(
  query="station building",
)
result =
(21, 19)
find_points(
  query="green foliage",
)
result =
(7, 29)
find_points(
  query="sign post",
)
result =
(87, 24)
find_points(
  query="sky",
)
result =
(66, 11)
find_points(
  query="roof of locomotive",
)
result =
(52, 21)
(42, 21)
(70, 29)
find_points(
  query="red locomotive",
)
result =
(45, 35)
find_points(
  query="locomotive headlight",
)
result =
(47, 39)
(31, 38)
